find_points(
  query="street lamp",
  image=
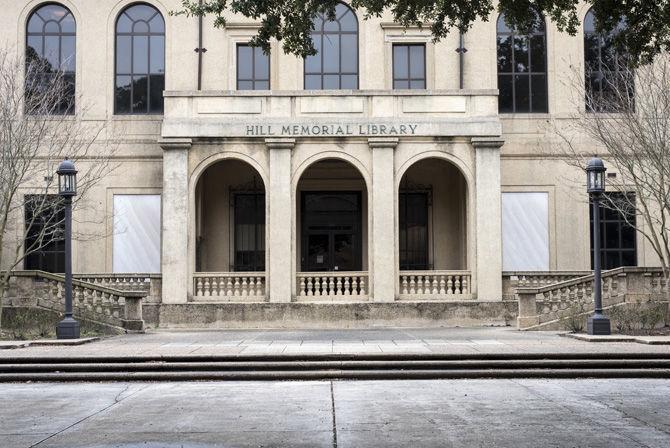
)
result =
(598, 324)
(68, 328)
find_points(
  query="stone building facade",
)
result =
(387, 169)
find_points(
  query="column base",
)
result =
(598, 325)
(68, 328)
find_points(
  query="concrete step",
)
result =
(293, 375)
(305, 367)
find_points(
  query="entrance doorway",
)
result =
(331, 231)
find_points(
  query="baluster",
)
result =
(310, 287)
(318, 290)
(450, 285)
(331, 283)
(208, 290)
(252, 286)
(412, 284)
(457, 284)
(354, 286)
(245, 286)
(403, 282)
(346, 285)
(464, 285)
(229, 286)
(198, 286)
(443, 285)
(362, 286)
(236, 286)
(338, 286)
(434, 288)
(302, 287)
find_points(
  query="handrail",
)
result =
(586, 278)
(76, 282)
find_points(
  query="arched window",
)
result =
(522, 68)
(140, 61)
(50, 50)
(335, 65)
(605, 68)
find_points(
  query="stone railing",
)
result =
(534, 279)
(332, 285)
(540, 307)
(229, 286)
(128, 282)
(431, 285)
(90, 301)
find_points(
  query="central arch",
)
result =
(331, 230)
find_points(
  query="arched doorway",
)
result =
(230, 242)
(432, 231)
(332, 231)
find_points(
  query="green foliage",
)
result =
(574, 320)
(290, 21)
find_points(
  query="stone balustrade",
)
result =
(127, 282)
(535, 279)
(546, 305)
(431, 285)
(229, 286)
(90, 301)
(328, 285)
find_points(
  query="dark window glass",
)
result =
(335, 65)
(413, 211)
(249, 232)
(409, 66)
(140, 61)
(253, 68)
(51, 56)
(605, 69)
(617, 232)
(522, 68)
(45, 228)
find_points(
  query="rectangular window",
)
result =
(413, 211)
(525, 231)
(249, 218)
(409, 66)
(137, 233)
(617, 231)
(253, 68)
(45, 233)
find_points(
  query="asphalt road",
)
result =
(445, 413)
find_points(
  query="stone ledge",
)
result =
(650, 340)
(43, 342)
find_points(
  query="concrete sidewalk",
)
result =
(315, 342)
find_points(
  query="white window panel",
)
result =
(137, 233)
(525, 230)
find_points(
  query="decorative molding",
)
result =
(169, 144)
(383, 142)
(487, 142)
(280, 143)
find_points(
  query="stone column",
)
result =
(174, 226)
(280, 278)
(383, 267)
(488, 227)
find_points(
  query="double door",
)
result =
(331, 231)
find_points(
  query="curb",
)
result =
(649, 340)
(8, 345)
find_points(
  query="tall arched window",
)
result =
(140, 61)
(522, 68)
(605, 69)
(50, 50)
(335, 65)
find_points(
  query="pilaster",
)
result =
(174, 225)
(383, 269)
(488, 218)
(279, 279)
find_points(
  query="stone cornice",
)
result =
(487, 142)
(383, 142)
(280, 143)
(175, 143)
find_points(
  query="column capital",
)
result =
(280, 143)
(175, 143)
(487, 142)
(383, 142)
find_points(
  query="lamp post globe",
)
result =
(68, 328)
(598, 323)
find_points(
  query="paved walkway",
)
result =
(287, 342)
(338, 414)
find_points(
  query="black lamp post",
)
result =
(598, 324)
(68, 328)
